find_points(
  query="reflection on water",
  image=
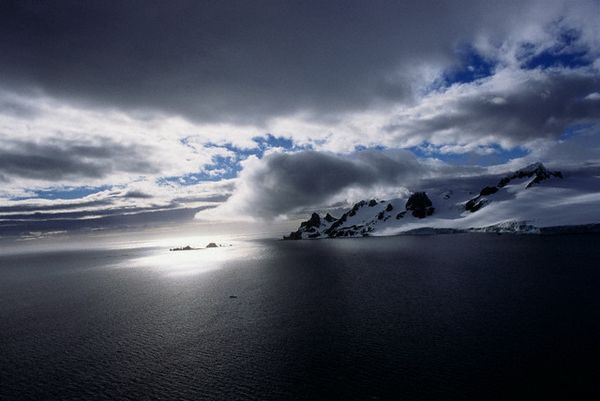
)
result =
(196, 261)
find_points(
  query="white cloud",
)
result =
(282, 184)
(593, 96)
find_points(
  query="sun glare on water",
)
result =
(197, 260)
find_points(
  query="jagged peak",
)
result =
(536, 169)
(314, 221)
(533, 168)
(329, 218)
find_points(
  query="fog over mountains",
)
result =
(530, 200)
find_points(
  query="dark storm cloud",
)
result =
(136, 195)
(218, 60)
(207, 198)
(16, 109)
(58, 160)
(110, 209)
(285, 182)
(543, 105)
(107, 220)
(87, 213)
(38, 207)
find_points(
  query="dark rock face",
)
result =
(372, 203)
(212, 245)
(400, 215)
(544, 176)
(314, 221)
(329, 218)
(389, 207)
(537, 170)
(337, 228)
(333, 230)
(309, 226)
(420, 205)
(420, 213)
(294, 235)
(488, 191)
(355, 208)
(418, 200)
(502, 183)
(475, 204)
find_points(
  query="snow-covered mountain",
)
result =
(530, 200)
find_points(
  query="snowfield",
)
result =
(529, 200)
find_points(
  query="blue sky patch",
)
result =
(575, 129)
(499, 155)
(471, 66)
(549, 59)
(565, 53)
(360, 148)
(229, 167)
(65, 192)
(270, 141)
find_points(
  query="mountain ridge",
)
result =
(532, 199)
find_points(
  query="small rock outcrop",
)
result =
(183, 248)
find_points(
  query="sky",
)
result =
(119, 114)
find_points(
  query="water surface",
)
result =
(447, 317)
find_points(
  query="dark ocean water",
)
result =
(479, 317)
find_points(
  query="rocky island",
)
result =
(189, 248)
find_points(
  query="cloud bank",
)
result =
(254, 61)
(284, 183)
(58, 160)
(512, 108)
(270, 102)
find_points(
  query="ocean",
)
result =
(441, 317)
